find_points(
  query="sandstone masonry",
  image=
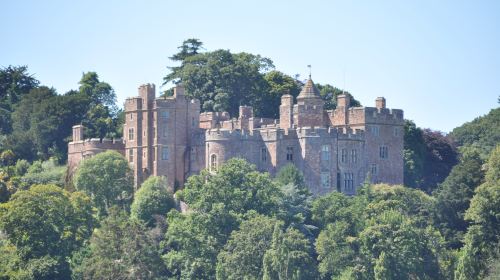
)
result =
(335, 149)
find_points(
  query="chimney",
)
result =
(344, 101)
(380, 103)
(78, 132)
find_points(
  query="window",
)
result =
(344, 155)
(263, 154)
(130, 155)
(193, 123)
(213, 162)
(164, 153)
(383, 152)
(354, 156)
(348, 181)
(131, 134)
(373, 170)
(144, 154)
(192, 155)
(289, 153)
(375, 130)
(325, 180)
(164, 114)
(131, 116)
(325, 153)
(396, 132)
(165, 132)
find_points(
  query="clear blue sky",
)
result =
(439, 61)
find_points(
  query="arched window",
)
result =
(213, 162)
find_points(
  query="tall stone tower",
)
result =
(158, 134)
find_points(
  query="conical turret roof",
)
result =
(309, 90)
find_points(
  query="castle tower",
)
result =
(309, 108)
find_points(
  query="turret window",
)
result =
(263, 154)
(164, 153)
(374, 170)
(165, 132)
(213, 162)
(289, 153)
(384, 152)
(375, 130)
(325, 153)
(131, 134)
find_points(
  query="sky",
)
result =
(439, 61)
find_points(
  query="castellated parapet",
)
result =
(335, 149)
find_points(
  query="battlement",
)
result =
(211, 119)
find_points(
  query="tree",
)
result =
(453, 198)
(482, 241)
(219, 202)
(120, 249)
(394, 248)
(152, 198)
(193, 240)
(107, 179)
(483, 133)
(15, 82)
(428, 156)
(242, 255)
(330, 93)
(236, 185)
(290, 256)
(336, 249)
(45, 224)
(100, 93)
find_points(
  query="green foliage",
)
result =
(219, 203)
(223, 81)
(47, 172)
(236, 186)
(44, 225)
(107, 179)
(483, 133)
(15, 82)
(392, 220)
(152, 199)
(290, 256)
(330, 93)
(120, 249)
(453, 198)
(243, 254)
(289, 174)
(482, 241)
(192, 242)
(428, 157)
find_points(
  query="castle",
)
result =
(335, 149)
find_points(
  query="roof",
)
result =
(309, 90)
